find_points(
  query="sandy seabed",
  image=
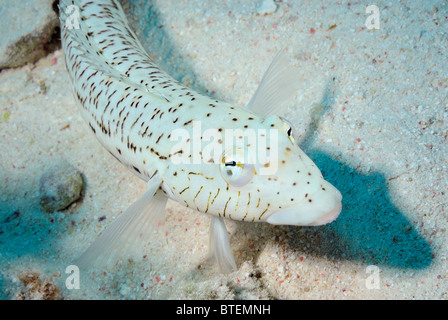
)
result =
(372, 113)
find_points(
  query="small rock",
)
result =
(266, 7)
(35, 286)
(60, 187)
(29, 29)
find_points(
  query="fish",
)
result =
(223, 160)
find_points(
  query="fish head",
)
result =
(261, 176)
(305, 198)
(287, 187)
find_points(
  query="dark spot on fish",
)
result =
(136, 169)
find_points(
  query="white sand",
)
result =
(381, 138)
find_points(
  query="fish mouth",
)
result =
(316, 213)
(299, 216)
(329, 217)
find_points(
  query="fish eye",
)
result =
(288, 129)
(234, 170)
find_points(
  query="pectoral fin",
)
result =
(220, 245)
(130, 228)
(279, 84)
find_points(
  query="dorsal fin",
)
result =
(279, 84)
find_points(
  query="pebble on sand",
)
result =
(61, 186)
(266, 7)
(29, 31)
